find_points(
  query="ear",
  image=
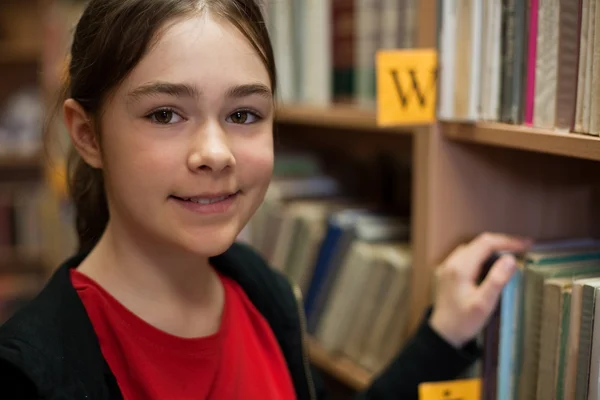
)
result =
(81, 130)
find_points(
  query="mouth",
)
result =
(206, 199)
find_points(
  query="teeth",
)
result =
(200, 200)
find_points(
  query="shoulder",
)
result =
(50, 339)
(24, 369)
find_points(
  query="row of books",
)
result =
(351, 261)
(543, 341)
(325, 49)
(21, 245)
(20, 218)
(21, 123)
(520, 62)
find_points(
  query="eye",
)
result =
(243, 117)
(165, 116)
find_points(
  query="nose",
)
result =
(210, 150)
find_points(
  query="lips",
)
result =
(207, 204)
(208, 198)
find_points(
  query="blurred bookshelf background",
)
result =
(359, 215)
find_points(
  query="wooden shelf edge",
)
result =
(17, 253)
(20, 260)
(340, 116)
(33, 161)
(339, 367)
(525, 138)
(11, 53)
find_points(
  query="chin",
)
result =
(211, 243)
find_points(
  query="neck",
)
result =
(169, 288)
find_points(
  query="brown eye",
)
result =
(243, 117)
(165, 116)
(239, 117)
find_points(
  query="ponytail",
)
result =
(85, 185)
(86, 189)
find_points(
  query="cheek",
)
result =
(255, 164)
(138, 165)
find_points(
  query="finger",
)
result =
(490, 289)
(453, 266)
(482, 247)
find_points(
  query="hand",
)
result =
(462, 307)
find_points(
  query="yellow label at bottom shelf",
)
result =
(464, 389)
(57, 179)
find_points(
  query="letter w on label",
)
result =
(406, 86)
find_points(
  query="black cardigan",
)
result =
(49, 350)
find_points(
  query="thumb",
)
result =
(490, 289)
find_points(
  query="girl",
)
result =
(169, 105)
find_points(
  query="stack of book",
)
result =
(521, 62)
(352, 261)
(21, 124)
(543, 341)
(21, 218)
(325, 49)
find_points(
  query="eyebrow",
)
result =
(249, 90)
(171, 89)
(185, 90)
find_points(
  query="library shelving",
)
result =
(340, 116)
(11, 162)
(13, 259)
(15, 53)
(339, 367)
(526, 138)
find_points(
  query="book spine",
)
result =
(531, 57)
(568, 53)
(508, 54)
(343, 34)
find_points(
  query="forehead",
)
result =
(203, 50)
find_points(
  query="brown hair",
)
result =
(110, 39)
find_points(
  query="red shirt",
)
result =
(241, 361)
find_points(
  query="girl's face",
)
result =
(187, 138)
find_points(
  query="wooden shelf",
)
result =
(525, 138)
(21, 162)
(336, 116)
(339, 367)
(14, 260)
(11, 53)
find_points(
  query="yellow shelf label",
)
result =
(406, 86)
(464, 389)
(57, 178)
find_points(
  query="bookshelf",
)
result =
(339, 367)
(18, 259)
(525, 138)
(11, 162)
(339, 116)
(18, 53)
